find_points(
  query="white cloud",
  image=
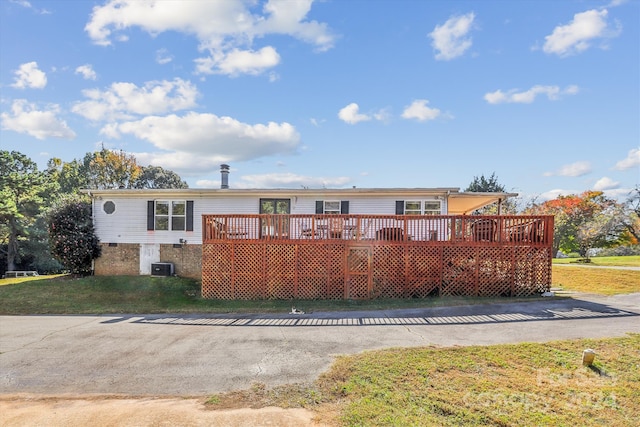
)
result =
(350, 114)
(226, 30)
(631, 161)
(123, 100)
(573, 169)
(420, 111)
(41, 124)
(553, 93)
(28, 5)
(553, 194)
(29, 76)
(197, 141)
(87, 72)
(163, 56)
(450, 39)
(580, 33)
(605, 183)
(238, 62)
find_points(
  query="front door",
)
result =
(276, 226)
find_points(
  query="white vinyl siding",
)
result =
(128, 222)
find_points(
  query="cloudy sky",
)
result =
(332, 93)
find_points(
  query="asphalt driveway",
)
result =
(199, 355)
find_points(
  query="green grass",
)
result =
(506, 385)
(529, 384)
(596, 280)
(144, 294)
(619, 261)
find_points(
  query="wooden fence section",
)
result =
(365, 256)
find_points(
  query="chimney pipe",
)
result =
(224, 172)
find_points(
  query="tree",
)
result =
(631, 224)
(71, 234)
(23, 192)
(106, 169)
(157, 177)
(490, 185)
(70, 176)
(582, 221)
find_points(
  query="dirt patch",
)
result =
(105, 411)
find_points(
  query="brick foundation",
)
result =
(121, 260)
(124, 260)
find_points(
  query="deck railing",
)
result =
(469, 229)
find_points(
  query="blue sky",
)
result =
(332, 93)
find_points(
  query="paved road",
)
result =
(198, 355)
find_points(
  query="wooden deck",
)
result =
(374, 256)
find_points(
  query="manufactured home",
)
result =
(324, 243)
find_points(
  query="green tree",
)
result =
(491, 185)
(71, 234)
(157, 177)
(70, 176)
(23, 193)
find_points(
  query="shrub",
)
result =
(71, 235)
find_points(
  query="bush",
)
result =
(72, 237)
(621, 251)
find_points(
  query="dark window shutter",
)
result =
(344, 207)
(399, 207)
(319, 207)
(150, 215)
(189, 215)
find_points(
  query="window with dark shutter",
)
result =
(344, 207)
(399, 207)
(319, 206)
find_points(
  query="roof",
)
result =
(460, 203)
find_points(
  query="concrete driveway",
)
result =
(199, 355)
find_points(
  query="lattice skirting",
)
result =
(242, 270)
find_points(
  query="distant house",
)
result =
(139, 228)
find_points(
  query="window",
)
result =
(412, 207)
(331, 207)
(419, 207)
(170, 215)
(109, 207)
(432, 207)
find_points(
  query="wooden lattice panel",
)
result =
(258, 269)
(388, 271)
(532, 270)
(459, 271)
(281, 271)
(495, 269)
(246, 286)
(312, 287)
(312, 260)
(358, 287)
(216, 271)
(248, 258)
(335, 259)
(336, 287)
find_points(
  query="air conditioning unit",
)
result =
(162, 269)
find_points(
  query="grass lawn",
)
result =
(595, 280)
(619, 261)
(144, 294)
(147, 295)
(526, 384)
